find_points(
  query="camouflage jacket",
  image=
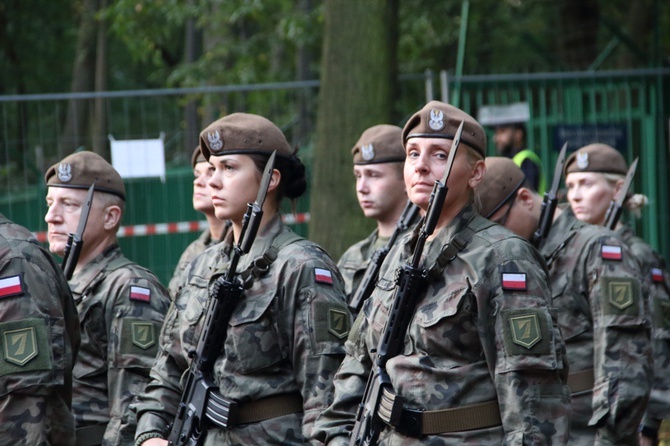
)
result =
(655, 271)
(354, 261)
(121, 310)
(483, 332)
(39, 335)
(196, 247)
(603, 318)
(285, 337)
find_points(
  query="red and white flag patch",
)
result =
(11, 286)
(140, 293)
(657, 275)
(610, 252)
(323, 276)
(514, 281)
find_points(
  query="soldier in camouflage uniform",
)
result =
(285, 338)
(380, 188)
(202, 202)
(483, 361)
(121, 304)
(594, 176)
(39, 334)
(597, 293)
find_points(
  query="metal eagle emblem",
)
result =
(215, 142)
(367, 152)
(582, 160)
(436, 121)
(65, 172)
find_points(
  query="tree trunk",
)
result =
(578, 36)
(191, 54)
(99, 118)
(356, 93)
(76, 119)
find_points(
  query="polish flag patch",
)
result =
(323, 276)
(140, 293)
(11, 286)
(514, 281)
(609, 252)
(657, 275)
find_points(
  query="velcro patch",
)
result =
(621, 295)
(25, 346)
(526, 331)
(338, 323)
(611, 252)
(139, 336)
(514, 281)
(331, 321)
(657, 275)
(323, 276)
(11, 286)
(140, 293)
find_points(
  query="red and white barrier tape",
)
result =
(177, 228)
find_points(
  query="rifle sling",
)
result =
(417, 422)
(221, 408)
(260, 265)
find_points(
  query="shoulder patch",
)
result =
(514, 281)
(331, 322)
(323, 276)
(140, 293)
(657, 275)
(25, 346)
(621, 295)
(526, 332)
(611, 252)
(11, 286)
(139, 337)
(338, 323)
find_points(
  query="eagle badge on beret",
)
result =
(214, 139)
(583, 160)
(367, 152)
(65, 172)
(436, 121)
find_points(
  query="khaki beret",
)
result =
(379, 144)
(596, 158)
(439, 120)
(500, 182)
(243, 133)
(81, 169)
(197, 157)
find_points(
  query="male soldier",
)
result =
(121, 304)
(202, 202)
(380, 188)
(600, 304)
(39, 334)
(482, 361)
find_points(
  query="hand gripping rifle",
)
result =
(412, 282)
(75, 241)
(550, 201)
(616, 206)
(367, 284)
(194, 415)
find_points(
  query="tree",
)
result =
(357, 78)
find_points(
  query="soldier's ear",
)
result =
(112, 217)
(526, 198)
(617, 189)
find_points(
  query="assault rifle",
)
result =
(75, 241)
(193, 414)
(412, 282)
(550, 201)
(616, 206)
(367, 284)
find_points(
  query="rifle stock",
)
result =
(192, 418)
(412, 281)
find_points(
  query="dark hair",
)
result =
(293, 181)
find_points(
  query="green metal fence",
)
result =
(632, 104)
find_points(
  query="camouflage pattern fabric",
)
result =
(195, 248)
(354, 261)
(604, 321)
(121, 310)
(655, 271)
(39, 339)
(285, 336)
(476, 336)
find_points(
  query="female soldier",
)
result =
(594, 176)
(483, 361)
(284, 338)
